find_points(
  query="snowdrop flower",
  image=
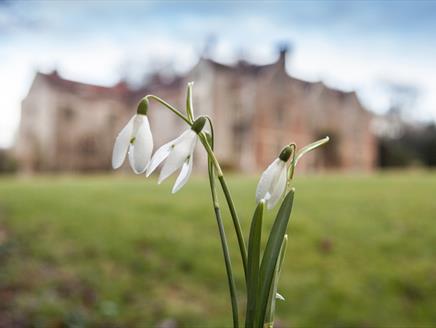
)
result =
(178, 153)
(273, 181)
(136, 140)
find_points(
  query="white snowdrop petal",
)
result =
(193, 144)
(266, 180)
(174, 161)
(142, 147)
(131, 160)
(182, 136)
(138, 120)
(187, 139)
(278, 186)
(161, 154)
(279, 297)
(178, 155)
(121, 145)
(184, 175)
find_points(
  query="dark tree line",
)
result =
(414, 146)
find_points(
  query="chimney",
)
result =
(284, 50)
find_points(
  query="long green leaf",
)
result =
(271, 308)
(253, 260)
(271, 255)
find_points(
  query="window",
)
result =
(88, 146)
(328, 155)
(68, 114)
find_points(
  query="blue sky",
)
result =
(349, 45)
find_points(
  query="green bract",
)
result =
(143, 106)
(198, 124)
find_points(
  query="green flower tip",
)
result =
(198, 124)
(143, 106)
(285, 153)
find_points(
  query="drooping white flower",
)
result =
(136, 140)
(272, 183)
(177, 154)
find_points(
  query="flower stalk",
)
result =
(224, 245)
(230, 204)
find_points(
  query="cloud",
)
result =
(348, 45)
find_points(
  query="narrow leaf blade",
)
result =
(271, 255)
(273, 295)
(253, 260)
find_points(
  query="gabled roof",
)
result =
(278, 66)
(240, 66)
(120, 89)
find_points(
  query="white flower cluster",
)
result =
(136, 141)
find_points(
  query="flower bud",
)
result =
(143, 106)
(198, 124)
(285, 153)
(189, 107)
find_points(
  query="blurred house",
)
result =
(257, 109)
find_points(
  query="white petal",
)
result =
(138, 119)
(131, 160)
(162, 153)
(178, 154)
(122, 144)
(268, 177)
(278, 186)
(140, 151)
(184, 175)
(279, 297)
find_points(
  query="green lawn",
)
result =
(124, 252)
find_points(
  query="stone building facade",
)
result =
(71, 126)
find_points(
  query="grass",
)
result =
(123, 252)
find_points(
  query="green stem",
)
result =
(236, 223)
(214, 165)
(220, 175)
(229, 200)
(211, 154)
(171, 108)
(225, 248)
(292, 166)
